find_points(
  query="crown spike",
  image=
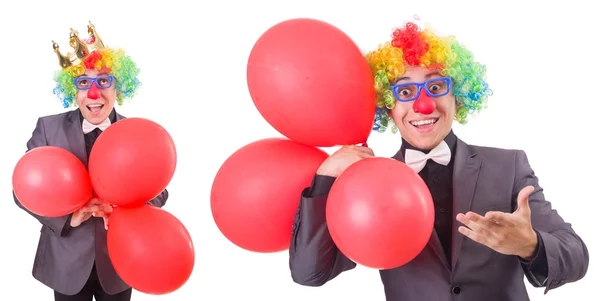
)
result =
(81, 47)
(78, 45)
(63, 60)
(95, 41)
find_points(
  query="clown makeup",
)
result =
(96, 95)
(105, 68)
(424, 110)
(425, 107)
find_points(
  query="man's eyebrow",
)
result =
(432, 74)
(400, 79)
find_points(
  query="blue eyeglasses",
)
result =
(406, 92)
(86, 82)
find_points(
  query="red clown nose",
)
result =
(424, 104)
(93, 92)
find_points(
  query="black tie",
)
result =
(90, 139)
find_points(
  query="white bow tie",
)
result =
(416, 160)
(88, 127)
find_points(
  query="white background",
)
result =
(542, 67)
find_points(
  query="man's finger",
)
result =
(523, 198)
(92, 208)
(363, 152)
(473, 235)
(480, 220)
(498, 218)
(100, 214)
(107, 207)
(94, 201)
(85, 216)
(367, 151)
(473, 220)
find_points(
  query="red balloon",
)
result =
(50, 181)
(132, 162)
(151, 249)
(311, 82)
(256, 192)
(380, 213)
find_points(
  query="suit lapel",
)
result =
(75, 136)
(466, 171)
(74, 133)
(434, 241)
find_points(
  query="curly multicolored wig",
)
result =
(112, 61)
(411, 46)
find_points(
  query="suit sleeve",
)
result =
(562, 256)
(536, 269)
(58, 225)
(160, 200)
(314, 258)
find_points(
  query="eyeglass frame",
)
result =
(397, 87)
(94, 80)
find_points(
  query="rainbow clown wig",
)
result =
(411, 46)
(91, 54)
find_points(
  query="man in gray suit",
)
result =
(72, 256)
(493, 225)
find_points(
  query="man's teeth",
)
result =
(95, 106)
(423, 122)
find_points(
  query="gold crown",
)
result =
(81, 47)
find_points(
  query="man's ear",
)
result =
(458, 105)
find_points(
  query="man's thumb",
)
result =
(523, 197)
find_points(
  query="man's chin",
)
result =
(95, 119)
(424, 141)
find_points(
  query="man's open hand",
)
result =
(506, 233)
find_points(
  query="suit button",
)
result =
(456, 290)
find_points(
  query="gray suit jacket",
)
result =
(65, 255)
(485, 179)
